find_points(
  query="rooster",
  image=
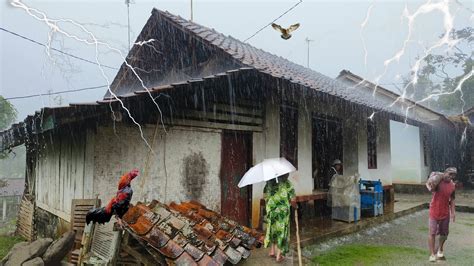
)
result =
(118, 205)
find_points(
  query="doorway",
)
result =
(327, 147)
(236, 160)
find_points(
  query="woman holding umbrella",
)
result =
(278, 194)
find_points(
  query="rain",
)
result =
(247, 132)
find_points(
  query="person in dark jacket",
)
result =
(336, 168)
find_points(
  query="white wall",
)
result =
(407, 153)
(384, 166)
(163, 171)
(425, 169)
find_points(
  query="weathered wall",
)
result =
(184, 164)
(384, 166)
(62, 171)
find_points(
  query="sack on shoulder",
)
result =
(433, 181)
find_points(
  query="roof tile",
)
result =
(208, 261)
(188, 233)
(233, 255)
(171, 249)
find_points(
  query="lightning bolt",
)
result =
(361, 32)
(446, 40)
(54, 28)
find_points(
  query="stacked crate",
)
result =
(371, 197)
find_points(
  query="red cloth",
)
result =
(439, 206)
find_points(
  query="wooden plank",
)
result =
(89, 164)
(79, 208)
(189, 114)
(238, 109)
(214, 125)
(63, 215)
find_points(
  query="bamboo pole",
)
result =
(298, 245)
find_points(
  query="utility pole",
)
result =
(307, 40)
(191, 10)
(127, 2)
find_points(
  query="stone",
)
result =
(26, 252)
(34, 262)
(59, 249)
(15, 249)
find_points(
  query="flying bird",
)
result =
(285, 33)
(118, 205)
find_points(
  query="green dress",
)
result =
(277, 198)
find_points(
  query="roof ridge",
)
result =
(173, 18)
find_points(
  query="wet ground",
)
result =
(316, 229)
(463, 197)
(409, 232)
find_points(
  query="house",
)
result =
(193, 113)
(11, 191)
(417, 146)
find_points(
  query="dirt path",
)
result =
(409, 232)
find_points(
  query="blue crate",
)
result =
(371, 197)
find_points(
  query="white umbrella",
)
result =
(266, 170)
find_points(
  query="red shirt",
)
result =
(439, 206)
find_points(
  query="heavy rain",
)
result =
(196, 132)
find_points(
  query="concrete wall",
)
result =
(384, 166)
(184, 164)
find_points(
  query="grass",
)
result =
(423, 229)
(368, 255)
(6, 243)
(8, 227)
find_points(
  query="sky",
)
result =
(333, 26)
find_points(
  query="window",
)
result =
(289, 134)
(371, 144)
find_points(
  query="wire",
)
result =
(284, 13)
(54, 49)
(54, 93)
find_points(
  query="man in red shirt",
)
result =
(442, 208)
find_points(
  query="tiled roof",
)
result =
(190, 234)
(13, 187)
(278, 66)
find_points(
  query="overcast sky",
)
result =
(335, 27)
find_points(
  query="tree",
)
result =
(441, 73)
(7, 117)
(7, 113)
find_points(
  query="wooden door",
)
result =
(236, 160)
(327, 146)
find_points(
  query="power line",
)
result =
(56, 92)
(284, 13)
(54, 49)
